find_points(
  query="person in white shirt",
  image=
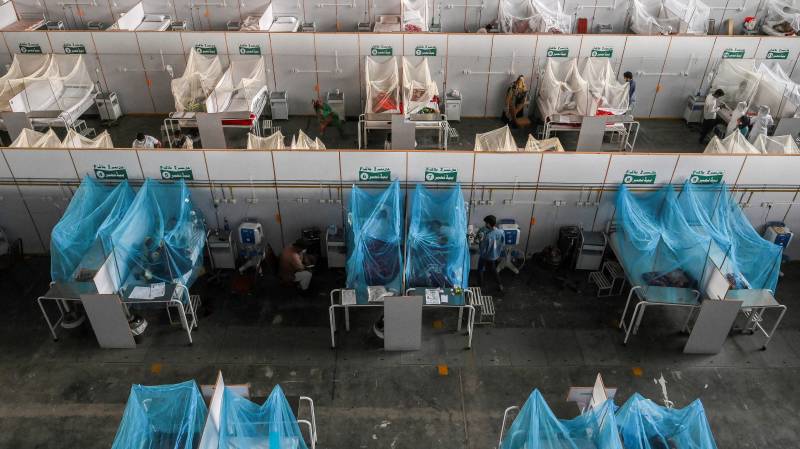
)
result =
(733, 123)
(761, 123)
(710, 109)
(145, 141)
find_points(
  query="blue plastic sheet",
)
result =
(244, 424)
(94, 212)
(161, 238)
(164, 417)
(437, 252)
(658, 248)
(644, 424)
(743, 256)
(375, 238)
(537, 427)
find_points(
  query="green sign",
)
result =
(381, 50)
(250, 49)
(425, 50)
(706, 177)
(557, 52)
(374, 174)
(639, 177)
(733, 53)
(206, 49)
(106, 171)
(602, 52)
(440, 174)
(30, 48)
(170, 172)
(74, 49)
(776, 53)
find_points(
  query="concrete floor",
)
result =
(72, 394)
(663, 136)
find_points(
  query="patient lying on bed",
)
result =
(675, 278)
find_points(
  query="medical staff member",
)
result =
(710, 109)
(490, 249)
(761, 123)
(291, 266)
(145, 141)
(733, 123)
(628, 76)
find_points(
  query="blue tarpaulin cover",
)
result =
(437, 251)
(375, 238)
(245, 424)
(644, 424)
(164, 417)
(657, 247)
(161, 238)
(744, 257)
(537, 427)
(93, 213)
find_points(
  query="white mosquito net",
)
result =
(533, 16)
(415, 15)
(23, 68)
(29, 138)
(738, 79)
(563, 90)
(539, 146)
(271, 142)
(499, 139)
(383, 86)
(239, 86)
(304, 142)
(419, 89)
(776, 144)
(735, 143)
(777, 91)
(75, 140)
(780, 18)
(65, 86)
(197, 82)
(668, 16)
(611, 96)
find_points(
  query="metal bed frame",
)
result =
(383, 121)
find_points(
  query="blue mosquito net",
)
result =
(644, 424)
(164, 416)
(437, 252)
(658, 248)
(245, 424)
(537, 427)
(93, 213)
(375, 237)
(744, 257)
(161, 238)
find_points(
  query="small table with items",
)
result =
(432, 298)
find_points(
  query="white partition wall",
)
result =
(337, 62)
(644, 57)
(468, 63)
(512, 56)
(683, 71)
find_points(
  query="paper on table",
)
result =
(443, 299)
(348, 296)
(157, 290)
(140, 293)
(432, 296)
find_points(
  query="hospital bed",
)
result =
(137, 20)
(241, 91)
(648, 295)
(54, 104)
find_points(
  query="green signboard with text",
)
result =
(170, 172)
(381, 50)
(206, 49)
(74, 49)
(30, 48)
(250, 49)
(440, 174)
(602, 52)
(777, 53)
(706, 177)
(733, 53)
(374, 174)
(558, 52)
(108, 171)
(639, 177)
(425, 50)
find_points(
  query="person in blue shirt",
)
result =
(490, 249)
(628, 76)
